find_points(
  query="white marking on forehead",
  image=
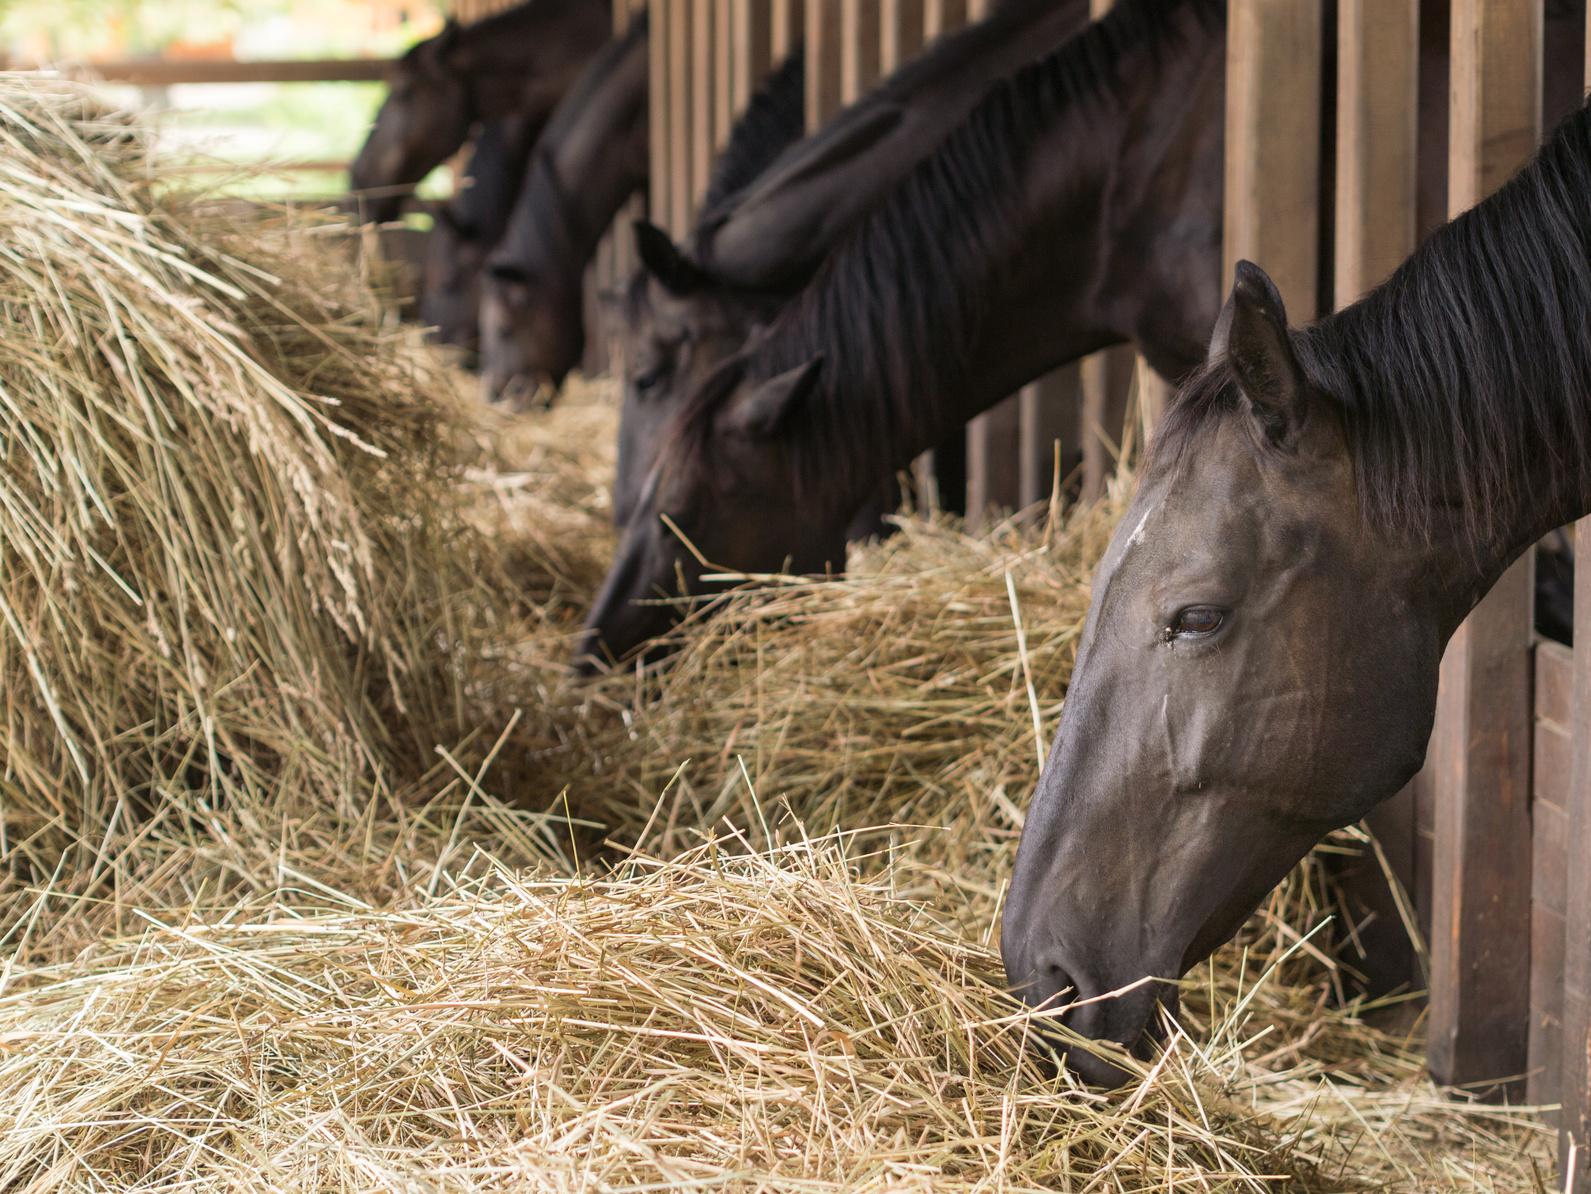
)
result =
(1137, 536)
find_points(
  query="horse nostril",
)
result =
(1056, 989)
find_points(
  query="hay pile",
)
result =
(240, 604)
(292, 893)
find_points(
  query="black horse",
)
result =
(519, 62)
(1078, 207)
(1319, 511)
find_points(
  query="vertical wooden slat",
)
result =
(901, 33)
(1049, 414)
(859, 47)
(1574, 1122)
(824, 24)
(753, 48)
(1377, 128)
(789, 27)
(658, 116)
(943, 16)
(1106, 379)
(1551, 767)
(723, 68)
(1272, 145)
(678, 162)
(1480, 948)
(702, 94)
(994, 461)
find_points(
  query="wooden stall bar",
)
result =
(1378, 45)
(1480, 750)
(900, 32)
(1574, 1122)
(825, 33)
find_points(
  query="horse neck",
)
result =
(1465, 379)
(563, 212)
(1050, 277)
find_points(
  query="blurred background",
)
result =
(307, 129)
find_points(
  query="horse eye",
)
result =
(1198, 620)
(650, 378)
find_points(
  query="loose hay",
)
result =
(750, 1022)
(239, 602)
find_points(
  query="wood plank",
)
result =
(1552, 762)
(789, 27)
(1106, 386)
(825, 23)
(1050, 417)
(701, 73)
(1480, 930)
(994, 461)
(752, 21)
(1480, 947)
(724, 110)
(1377, 130)
(943, 16)
(900, 34)
(1377, 123)
(678, 161)
(168, 74)
(1574, 1122)
(1272, 145)
(859, 48)
(659, 129)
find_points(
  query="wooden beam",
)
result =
(678, 162)
(1106, 387)
(1050, 423)
(723, 67)
(825, 22)
(658, 116)
(1376, 210)
(901, 33)
(753, 48)
(171, 74)
(1378, 94)
(1480, 927)
(859, 48)
(994, 461)
(1272, 145)
(1574, 1121)
(702, 80)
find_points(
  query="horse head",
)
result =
(722, 492)
(425, 117)
(1257, 668)
(677, 327)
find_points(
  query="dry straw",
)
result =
(238, 605)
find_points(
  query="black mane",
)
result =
(894, 304)
(1465, 377)
(774, 120)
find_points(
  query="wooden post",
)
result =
(859, 48)
(701, 74)
(901, 33)
(657, 111)
(1272, 145)
(789, 21)
(994, 460)
(1106, 380)
(678, 162)
(1480, 924)
(1049, 416)
(1377, 128)
(752, 50)
(1574, 1122)
(825, 22)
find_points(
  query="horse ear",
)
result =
(1252, 333)
(759, 411)
(664, 262)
